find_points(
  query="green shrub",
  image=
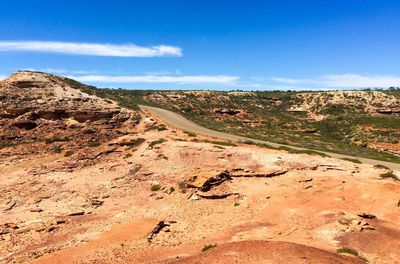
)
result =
(94, 143)
(209, 246)
(52, 140)
(303, 151)
(156, 142)
(182, 187)
(68, 153)
(190, 134)
(389, 174)
(57, 149)
(350, 251)
(379, 166)
(162, 128)
(347, 250)
(128, 155)
(222, 143)
(155, 187)
(352, 160)
(248, 142)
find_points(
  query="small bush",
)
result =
(248, 142)
(379, 166)
(350, 251)
(94, 143)
(57, 149)
(155, 187)
(128, 155)
(162, 128)
(190, 134)
(68, 153)
(137, 142)
(264, 145)
(218, 147)
(352, 160)
(389, 174)
(209, 246)
(156, 142)
(182, 187)
(303, 151)
(347, 250)
(223, 143)
(134, 170)
(52, 140)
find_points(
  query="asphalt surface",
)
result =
(179, 122)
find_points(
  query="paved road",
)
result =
(179, 122)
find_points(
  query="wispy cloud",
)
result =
(342, 81)
(61, 71)
(181, 79)
(92, 49)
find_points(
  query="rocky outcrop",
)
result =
(33, 95)
(35, 106)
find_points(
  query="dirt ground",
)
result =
(103, 211)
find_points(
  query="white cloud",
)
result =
(342, 81)
(2, 77)
(61, 71)
(189, 79)
(93, 49)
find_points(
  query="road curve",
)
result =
(179, 122)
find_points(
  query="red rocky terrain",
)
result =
(83, 180)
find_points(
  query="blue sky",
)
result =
(245, 45)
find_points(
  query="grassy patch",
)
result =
(389, 174)
(209, 246)
(342, 131)
(350, 251)
(52, 140)
(57, 149)
(156, 142)
(182, 187)
(128, 155)
(190, 134)
(222, 143)
(162, 128)
(352, 160)
(379, 166)
(94, 143)
(68, 153)
(6, 145)
(303, 151)
(248, 142)
(136, 142)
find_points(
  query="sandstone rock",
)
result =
(37, 107)
(205, 180)
(10, 205)
(96, 202)
(241, 172)
(77, 213)
(215, 195)
(36, 210)
(354, 224)
(367, 216)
